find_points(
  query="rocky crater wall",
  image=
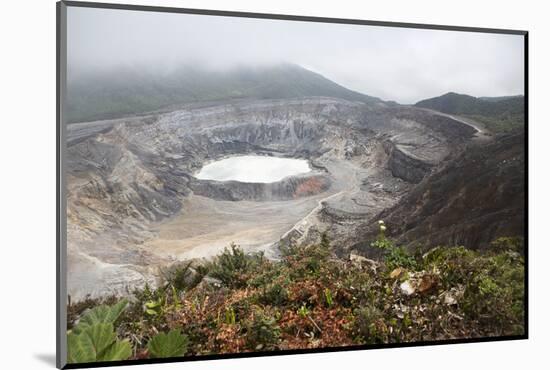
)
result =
(405, 166)
(289, 188)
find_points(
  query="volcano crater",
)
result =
(135, 202)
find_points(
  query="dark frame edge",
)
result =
(526, 175)
(288, 17)
(61, 271)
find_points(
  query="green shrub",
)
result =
(233, 265)
(366, 324)
(399, 257)
(394, 256)
(495, 294)
(263, 333)
(308, 261)
(156, 308)
(151, 306)
(503, 244)
(381, 241)
(275, 294)
(493, 285)
(183, 276)
(269, 272)
(456, 264)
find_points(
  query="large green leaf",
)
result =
(96, 339)
(77, 351)
(101, 314)
(97, 343)
(164, 345)
(119, 350)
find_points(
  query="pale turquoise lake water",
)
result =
(253, 168)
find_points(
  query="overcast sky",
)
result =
(405, 65)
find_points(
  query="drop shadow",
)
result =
(46, 358)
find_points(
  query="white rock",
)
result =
(406, 288)
(449, 299)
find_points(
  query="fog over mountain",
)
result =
(405, 65)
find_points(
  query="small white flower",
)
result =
(380, 222)
(382, 228)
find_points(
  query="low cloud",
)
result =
(405, 65)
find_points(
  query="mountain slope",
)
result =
(122, 92)
(499, 98)
(499, 114)
(471, 201)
